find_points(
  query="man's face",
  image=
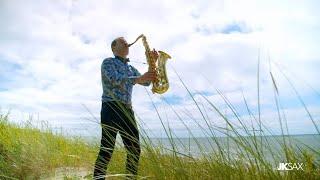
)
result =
(122, 46)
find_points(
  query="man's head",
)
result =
(120, 47)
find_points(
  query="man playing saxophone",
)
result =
(118, 78)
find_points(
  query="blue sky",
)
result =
(51, 52)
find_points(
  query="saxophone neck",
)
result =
(145, 43)
(151, 62)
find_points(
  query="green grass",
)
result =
(29, 153)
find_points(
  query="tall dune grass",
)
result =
(29, 153)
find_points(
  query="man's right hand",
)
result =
(147, 77)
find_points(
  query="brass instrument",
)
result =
(161, 84)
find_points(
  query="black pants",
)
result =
(116, 117)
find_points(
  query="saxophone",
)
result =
(161, 84)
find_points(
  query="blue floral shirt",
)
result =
(118, 79)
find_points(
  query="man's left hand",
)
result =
(154, 54)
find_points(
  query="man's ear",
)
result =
(114, 51)
(114, 46)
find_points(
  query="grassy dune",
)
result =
(28, 153)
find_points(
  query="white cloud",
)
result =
(59, 46)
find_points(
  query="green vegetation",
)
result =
(29, 153)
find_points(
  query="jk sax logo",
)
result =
(290, 166)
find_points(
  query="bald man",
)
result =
(118, 78)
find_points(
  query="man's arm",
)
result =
(109, 71)
(144, 79)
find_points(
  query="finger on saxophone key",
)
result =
(154, 54)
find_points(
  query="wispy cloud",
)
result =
(51, 51)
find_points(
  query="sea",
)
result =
(272, 148)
